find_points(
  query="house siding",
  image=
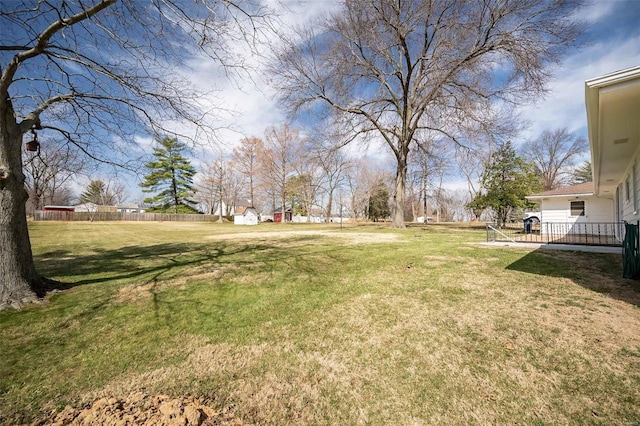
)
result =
(558, 210)
(629, 208)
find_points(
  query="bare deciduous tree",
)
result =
(206, 190)
(217, 187)
(399, 68)
(554, 153)
(472, 164)
(97, 73)
(360, 180)
(245, 158)
(282, 146)
(427, 166)
(48, 172)
(333, 165)
(331, 162)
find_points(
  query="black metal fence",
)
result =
(594, 233)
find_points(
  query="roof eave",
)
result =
(592, 103)
(540, 197)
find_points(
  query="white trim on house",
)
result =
(535, 197)
(613, 114)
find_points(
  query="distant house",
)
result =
(573, 204)
(315, 215)
(288, 214)
(613, 115)
(245, 216)
(223, 209)
(86, 208)
(129, 208)
(339, 219)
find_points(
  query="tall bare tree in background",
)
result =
(361, 177)
(309, 174)
(331, 162)
(48, 173)
(245, 158)
(397, 68)
(210, 187)
(427, 168)
(472, 164)
(334, 165)
(206, 190)
(282, 147)
(96, 73)
(554, 153)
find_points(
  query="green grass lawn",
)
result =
(311, 324)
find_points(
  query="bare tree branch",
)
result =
(409, 68)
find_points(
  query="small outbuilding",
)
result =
(288, 215)
(245, 216)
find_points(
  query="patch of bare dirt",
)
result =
(141, 409)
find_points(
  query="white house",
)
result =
(129, 208)
(613, 114)
(86, 208)
(573, 204)
(598, 207)
(245, 216)
(575, 209)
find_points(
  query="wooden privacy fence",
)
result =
(41, 215)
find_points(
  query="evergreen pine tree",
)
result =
(507, 179)
(378, 207)
(170, 176)
(582, 173)
(95, 193)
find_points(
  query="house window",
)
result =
(577, 208)
(627, 189)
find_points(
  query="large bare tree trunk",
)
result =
(398, 196)
(19, 281)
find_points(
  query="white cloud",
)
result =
(564, 105)
(596, 11)
(243, 104)
(246, 106)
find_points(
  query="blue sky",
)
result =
(613, 43)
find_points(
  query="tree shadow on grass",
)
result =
(128, 262)
(597, 272)
(149, 266)
(157, 262)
